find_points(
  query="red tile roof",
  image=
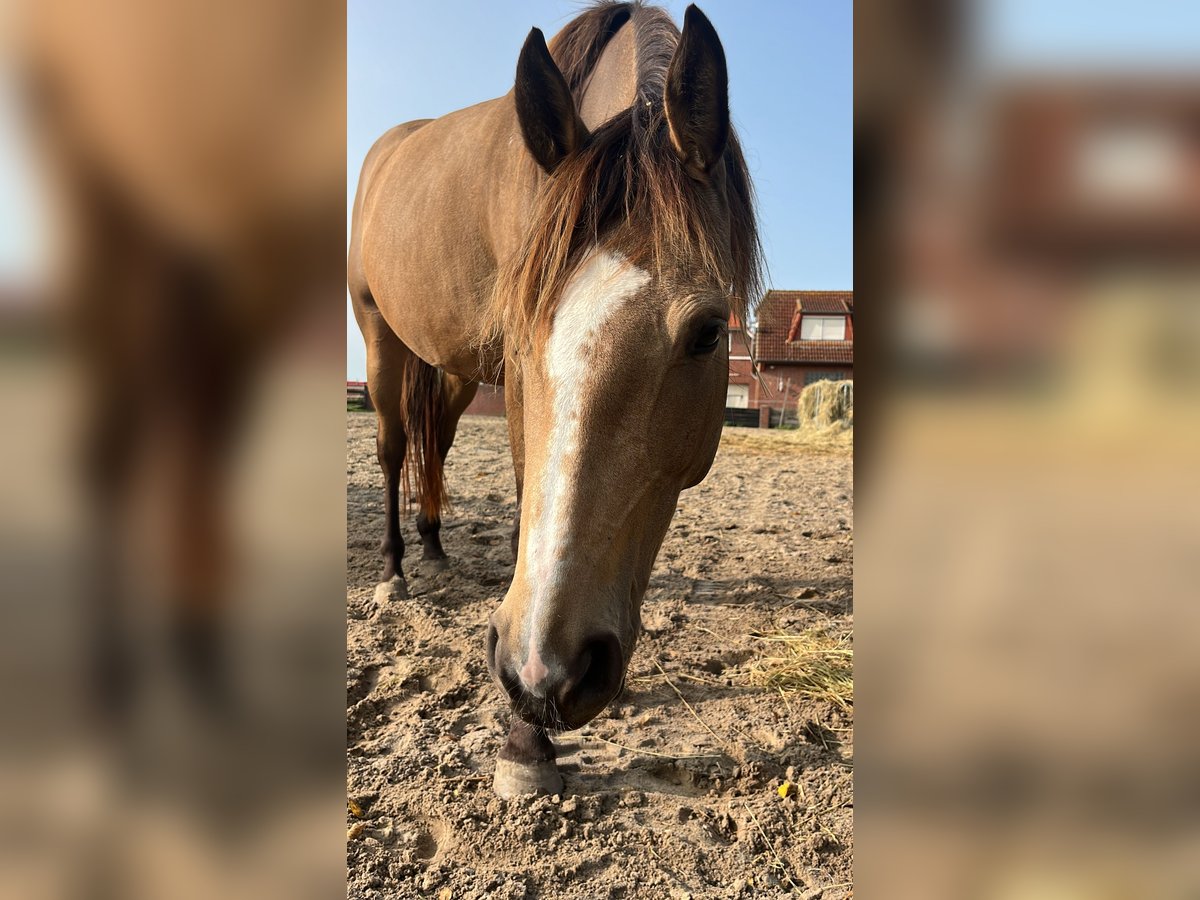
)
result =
(821, 352)
(823, 302)
(778, 316)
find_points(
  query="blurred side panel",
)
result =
(1028, 636)
(172, 506)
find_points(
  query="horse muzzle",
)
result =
(565, 690)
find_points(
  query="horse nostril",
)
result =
(602, 670)
(493, 638)
(502, 672)
(508, 679)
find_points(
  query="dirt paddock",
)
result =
(675, 790)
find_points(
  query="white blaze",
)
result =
(595, 293)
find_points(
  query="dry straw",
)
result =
(817, 663)
(825, 412)
(827, 404)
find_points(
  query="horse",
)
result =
(582, 240)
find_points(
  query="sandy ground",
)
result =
(663, 798)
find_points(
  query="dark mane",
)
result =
(627, 172)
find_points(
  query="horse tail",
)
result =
(424, 411)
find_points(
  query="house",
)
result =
(802, 337)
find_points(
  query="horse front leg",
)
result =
(391, 449)
(386, 360)
(525, 764)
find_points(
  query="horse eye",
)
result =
(708, 337)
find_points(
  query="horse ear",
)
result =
(549, 121)
(697, 96)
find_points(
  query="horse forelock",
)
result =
(626, 176)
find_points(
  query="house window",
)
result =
(823, 328)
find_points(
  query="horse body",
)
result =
(583, 239)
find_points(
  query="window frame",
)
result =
(824, 320)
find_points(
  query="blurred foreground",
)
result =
(1028, 637)
(173, 643)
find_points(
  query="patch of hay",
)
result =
(834, 439)
(817, 663)
(783, 441)
(827, 404)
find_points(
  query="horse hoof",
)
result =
(392, 590)
(439, 564)
(515, 779)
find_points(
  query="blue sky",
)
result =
(1088, 34)
(791, 93)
